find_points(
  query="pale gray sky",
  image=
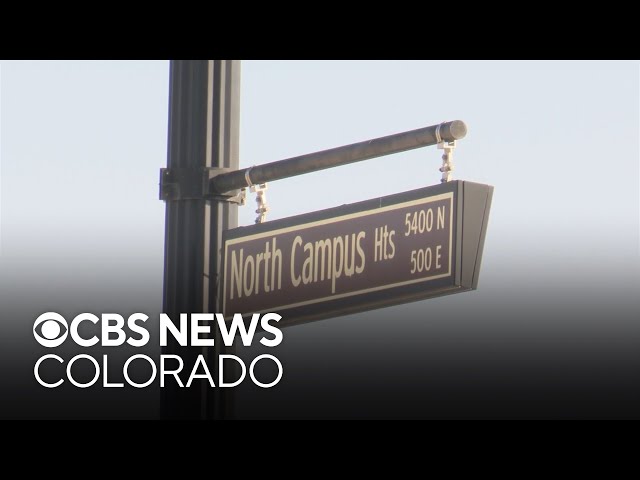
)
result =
(558, 140)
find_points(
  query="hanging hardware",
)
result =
(447, 158)
(261, 200)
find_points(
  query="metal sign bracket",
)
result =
(447, 157)
(193, 184)
(447, 160)
(261, 200)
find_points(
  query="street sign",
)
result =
(386, 251)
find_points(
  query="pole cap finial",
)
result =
(457, 130)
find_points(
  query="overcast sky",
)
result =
(558, 140)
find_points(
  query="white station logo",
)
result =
(50, 329)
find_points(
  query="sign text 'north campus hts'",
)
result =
(356, 257)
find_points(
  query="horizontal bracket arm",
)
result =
(334, 157)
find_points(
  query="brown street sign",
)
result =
(386, 251)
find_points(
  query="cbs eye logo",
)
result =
(50, 329)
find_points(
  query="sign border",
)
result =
(421, 196)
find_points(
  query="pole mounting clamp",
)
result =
(194, 184)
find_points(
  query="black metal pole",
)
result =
(334, 157)
(203, 132)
